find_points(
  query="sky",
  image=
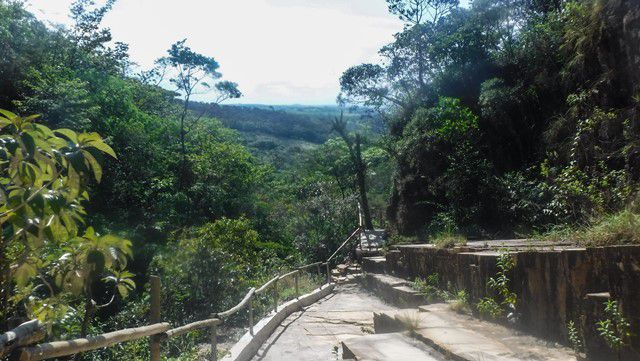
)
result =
(278, 51)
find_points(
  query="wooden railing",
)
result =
(16, 342)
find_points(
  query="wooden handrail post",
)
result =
(275, 296)
(154, 317)
(251, 316)
(296, 279)
(214, 342)
(328, 273)
(319, 271)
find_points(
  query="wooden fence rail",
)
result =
(23, 335)
(66, 348)
(16, 342)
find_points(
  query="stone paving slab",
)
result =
(315, 333)
(389, 347)
(471, 339)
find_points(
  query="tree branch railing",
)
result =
(16, 343)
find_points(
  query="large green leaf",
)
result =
(24, 273)
(69, 134)
(103, 147)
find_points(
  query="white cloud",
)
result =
(302, 46)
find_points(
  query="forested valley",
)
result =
(503, 118)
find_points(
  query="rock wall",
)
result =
(553, 286)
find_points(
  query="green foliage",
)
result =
(489, 306)
(211, 268)
(431, 288)
(547, 95)
(448, 240)
(447, 121)
(615, 329)
(618, 228)
(194, 71)
(45, 254)
(500, 283)
(577, 342)
(461, 302)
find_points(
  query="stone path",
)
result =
(342, 324)
(316, 333)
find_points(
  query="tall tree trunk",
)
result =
(361, 178)
(182, 169)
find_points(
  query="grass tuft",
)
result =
(613, 229)
(410, 321)
(448, 240)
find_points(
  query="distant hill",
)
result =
(277, 133)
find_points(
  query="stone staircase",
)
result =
(422, 331)
(345, 273)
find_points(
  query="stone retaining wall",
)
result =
(552, 286)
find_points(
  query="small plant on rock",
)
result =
(577, 343)
(615, 329)
(489, 306)
(448, 240)
(430, 287)
(410, 321)
(461, 302)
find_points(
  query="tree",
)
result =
(44, 254)
(87, 18)
(417, 12)
(369, 84)
(421, 17)
(354, 144)
(193, 73)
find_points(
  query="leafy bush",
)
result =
(431, 288)
(488, 307)
(615, 329)
(577, 343)
(461, 302)
(212, 267)
(51, 261)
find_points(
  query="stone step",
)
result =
(366, 252)
(467, 338)
(388, 347)
(347, 279)
(374, 264)
(393, 290)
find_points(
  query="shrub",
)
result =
(430, 288)
(577, 343)
(488, 307)
(461, 302)
(448, 240)
(615, 329)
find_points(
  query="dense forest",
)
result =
(278, 134)
(143, 182)
(510, 116)
(504, 118)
